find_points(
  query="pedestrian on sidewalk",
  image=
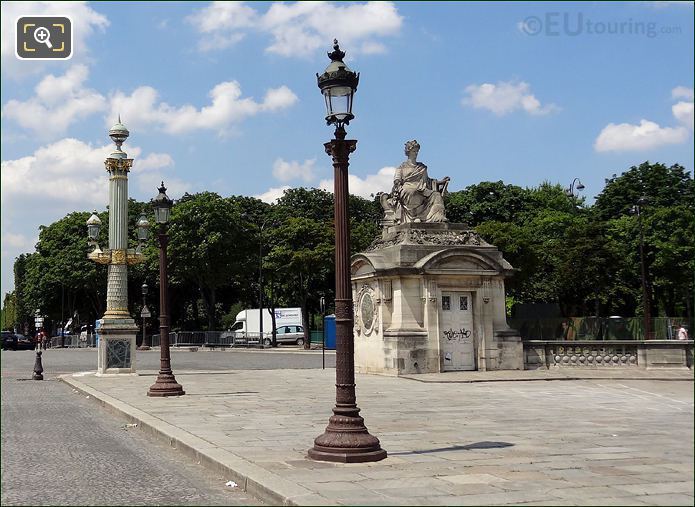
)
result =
(682, 333)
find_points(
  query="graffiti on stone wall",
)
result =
(457, 335)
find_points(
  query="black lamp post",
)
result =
(346, 438)
(646, 295)
(166, 384)
(260, 282)
(569, 191)
(144, 313)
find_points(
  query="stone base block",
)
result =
(511, 350)
(116, 354)
(400, 353)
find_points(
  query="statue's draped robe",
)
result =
(419, 202)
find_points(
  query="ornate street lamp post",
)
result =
(144, 314)
(117, 333)
(166, 384)
(346, 438)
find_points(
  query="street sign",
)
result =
(145, 312)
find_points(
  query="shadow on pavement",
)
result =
(468, 447)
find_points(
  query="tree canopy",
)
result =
(584, 258)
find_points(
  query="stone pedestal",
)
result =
(116, 353)
(429, 297)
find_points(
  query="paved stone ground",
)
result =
(59, 449)
(57, 361)
(572, 442)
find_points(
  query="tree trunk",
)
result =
(305, 313)
(210, 299)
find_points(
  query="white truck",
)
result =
(288, 325)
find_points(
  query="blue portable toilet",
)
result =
(329, 329)
(97, 326)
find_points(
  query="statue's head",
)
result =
(412, 146)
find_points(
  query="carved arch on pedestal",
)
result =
(462, 260)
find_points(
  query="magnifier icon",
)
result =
(43, 36)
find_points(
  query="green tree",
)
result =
(208, 246)
(662, 186)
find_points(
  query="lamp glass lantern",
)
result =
(338, 85)
(143, 227)
(93, 226)
(162, 206)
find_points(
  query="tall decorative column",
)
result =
(117, 333)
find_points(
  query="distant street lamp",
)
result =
(646, 294)
(166, 384)
(260, 281)
(569, 191)
(144, 313)
(346, 438)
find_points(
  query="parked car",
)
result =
(9, 340)
(289, 334)
(16, 341)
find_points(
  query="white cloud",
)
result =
(223, 15)
(299, 29)
(57, 103)
(18, 241)
(645, 136)
(286, 171)
(62, 177)
(66, 174)
(85, 21)
(648, 134)
(142, 107)
(505, 97)
(154, 161)
(215, 41)
(382, 181)
(272, 194)
(683, 92)
(683, 111)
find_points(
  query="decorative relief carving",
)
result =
(599, 355)
(118, 256)
(380, 243)
(448, 238)
(367, 312)
(99, 256)
(427, 237)
(133, 257)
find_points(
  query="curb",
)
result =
(547, 379)
(251, 478)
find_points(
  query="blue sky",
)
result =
(223, 97)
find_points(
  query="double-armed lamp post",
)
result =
(346, 438)
(117, 335)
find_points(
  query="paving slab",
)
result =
(588, 441)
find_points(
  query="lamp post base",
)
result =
(346, 440)
(165, 385)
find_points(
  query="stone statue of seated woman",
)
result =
(415, 196)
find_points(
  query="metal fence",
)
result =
(73, 341)
(595, 328)
(214, 339)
